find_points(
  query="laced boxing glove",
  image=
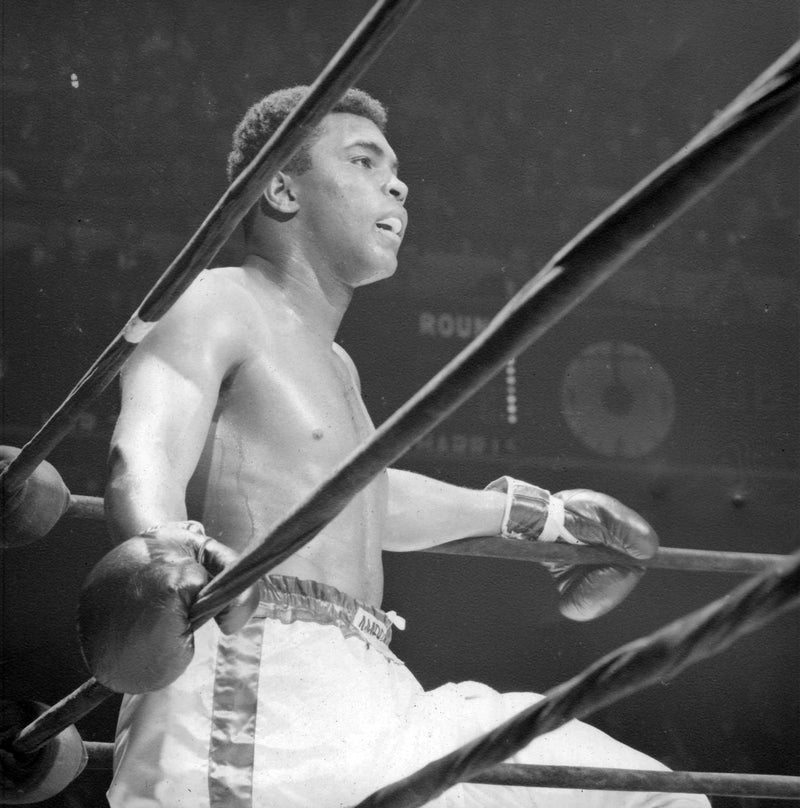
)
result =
(133, 613)
(579, 517)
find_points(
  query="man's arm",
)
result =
(170, 388)
(135, 605)
(424, 512)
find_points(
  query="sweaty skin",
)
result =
(239, 402)
(236, 405)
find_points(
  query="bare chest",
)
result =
(298, 399)
(285, 420)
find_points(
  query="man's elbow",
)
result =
(120, 515)
(143, 489)
(125, 495)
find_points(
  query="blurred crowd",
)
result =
(118, 119)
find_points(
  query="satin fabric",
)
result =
(307, 707)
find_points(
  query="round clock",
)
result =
(617, 399)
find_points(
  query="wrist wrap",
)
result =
(191, 525)
(531, 513)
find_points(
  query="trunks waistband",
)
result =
(291, 599)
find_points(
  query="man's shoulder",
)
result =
(215, 310)
(219, 286)
(216, 296)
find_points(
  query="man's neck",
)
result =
(319, 302)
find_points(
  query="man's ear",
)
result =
(280, 196)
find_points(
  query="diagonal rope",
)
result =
(574, 272)
(362, 47)
(661, 655)
(579, 268)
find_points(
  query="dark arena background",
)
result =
(674, 387)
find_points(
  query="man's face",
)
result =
(351, 216)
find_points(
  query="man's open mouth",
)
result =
(392, 225)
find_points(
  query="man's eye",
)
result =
(364, 161)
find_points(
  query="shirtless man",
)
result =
(234, 408)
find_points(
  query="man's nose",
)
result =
(397, 188)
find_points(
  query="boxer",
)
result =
(234, 407)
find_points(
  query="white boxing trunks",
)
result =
(307, 706)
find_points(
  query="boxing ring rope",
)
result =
(721, 784)
(640, 663)
(351, 60)
(576, 270)
(661, 655)
(360, 49)
(666, 558)
(83, 507)
(589, 259)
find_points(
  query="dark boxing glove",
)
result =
(133, 615)
(30, 513)
(579, 517)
